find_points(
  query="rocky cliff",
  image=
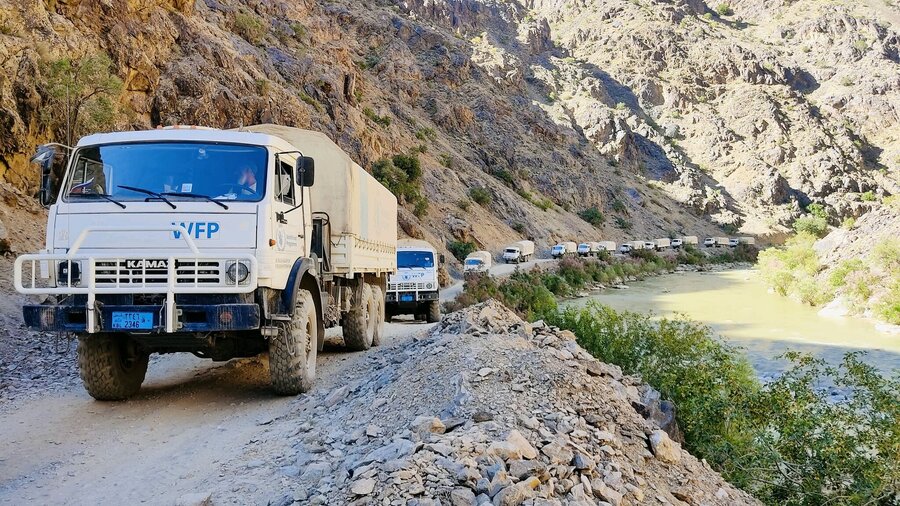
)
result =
(664, 115)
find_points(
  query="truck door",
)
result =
(288, 226)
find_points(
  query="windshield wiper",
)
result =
(151, 193)
(195, 195)
(101, 195)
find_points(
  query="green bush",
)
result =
(250, 27)
(886, 256)
(887, 307)
(505, 175)
(784, 268)
(786, 442)
(868, 196)
(622, 223)
(384, 121)
(690, 255)
(518, 227)
(593, 216)
(402, 175)
(817, 210)
(618, 206)
(724, 9)
(480, 195)
(464, 204)
(838, 276)
(814, 225)
(461, 249)
(426, 133)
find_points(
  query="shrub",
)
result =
(724, 9)
(544, 204)
(813, 225)
(447, 161)
(519, 227)
(426, 133)
(690, 255)
(838, 276)
(886, 256)
(480, 195)
(311, 101)
(817, 210)
(868, 196)
(464, 204)
(887, 307)
(249, 27)
(461, 249)
(786, 442)
(848, 223)
(618, 206)
(593, 216)
(783, 268)
(622, 223)
(402, 175)
(384, 121)
(505, 175)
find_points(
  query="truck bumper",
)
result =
(192, 318)
(410, 299)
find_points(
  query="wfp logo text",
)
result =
(197, 229)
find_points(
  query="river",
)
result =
(737, 305)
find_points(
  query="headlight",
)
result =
(67, 268)
(238, 272)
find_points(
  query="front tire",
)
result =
(434, 312)
(112, 367)
(360, 322)
(293, 352)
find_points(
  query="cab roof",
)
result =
(195, 134)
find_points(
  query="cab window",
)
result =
(284, 183)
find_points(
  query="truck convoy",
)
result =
(519, 251)
(661, 244)
(219, 243)
(564, 249)
(477, 261)
(414, 288)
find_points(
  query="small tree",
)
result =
(82, 95)
(592, 216)
(480, 196)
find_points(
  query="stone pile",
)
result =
(488, 409)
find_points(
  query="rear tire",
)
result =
(380, 317)
(434, 312)
(293, 352)
(112, 368)
(359, 323)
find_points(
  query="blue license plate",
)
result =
(407, 297)
(126, 320)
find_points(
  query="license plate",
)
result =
(123, 320)
(407, 297)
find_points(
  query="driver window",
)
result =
(284, 183)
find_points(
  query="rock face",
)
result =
(557, 433)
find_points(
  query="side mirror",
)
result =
(441, 258)
(306, 171)
(47, 158)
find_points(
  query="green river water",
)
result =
(737, 305)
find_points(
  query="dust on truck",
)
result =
(219, 243)
(414, 288)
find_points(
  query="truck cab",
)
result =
(414, 289)
(212, 242)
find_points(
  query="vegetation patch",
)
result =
(480, 195)
(402, 175)
(384, 121)
(461, 249)
(249, 27)
(593, 216)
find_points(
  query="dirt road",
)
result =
(498, 270)
(191, 418)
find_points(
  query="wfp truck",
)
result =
(661, 244)
(588, 249)
(219, 243)
(607, 246)
(519, 251)
(477, 261)
(414, 288)
(564, 249)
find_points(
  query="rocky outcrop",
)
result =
(485, 409)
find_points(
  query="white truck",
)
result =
(689, 239)
(747, 240)
(477, 261)
(661, 244)
(722, 242)
(414, 288)
(564, 249)
(608, 246)
(588, 249)
(219, 243)
(709, 242)
(650, 245)
(519, 251)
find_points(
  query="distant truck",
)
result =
(650, 245)
(218, 243)
(722, 242)
(625, 248)
(662, 244)
(747, 240)
(414, 289)
(588, 249)
(607, 246)
(564, 249)
(477, 261)
(709, 242)
(733, 242)
(676, 243)
(519, 251)
(689, 239)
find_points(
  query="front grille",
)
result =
(132, 271)
(408, 287)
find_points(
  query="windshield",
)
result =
(222, 171)
(511, 250)
(410, 259)
(473, 261)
